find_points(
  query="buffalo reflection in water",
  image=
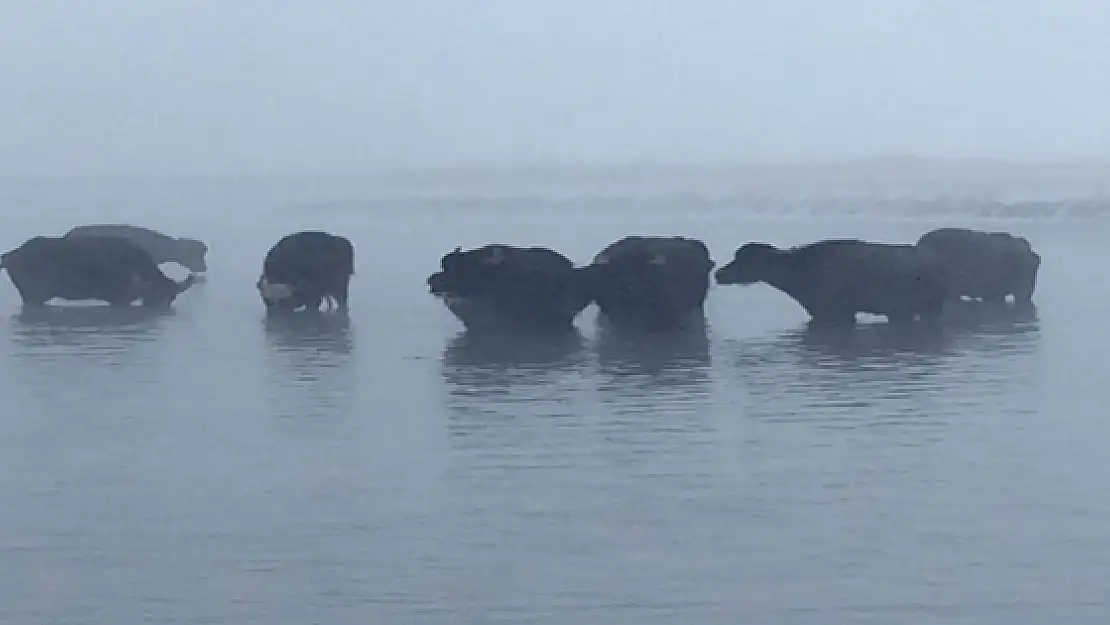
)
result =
(878, 373)
(508, 390)
(83, 349)
(972, 317)
(869, 340)
(313, 331)
(311, 377)
(35, 324)
(640, 369)
(961, 320)
(494, 361)
(683, 350)
(656, 389)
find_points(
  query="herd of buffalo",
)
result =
(649, 282)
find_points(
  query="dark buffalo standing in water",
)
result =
(985, 265)
(501, 286)
(109, 269)
(307, 269)
(650, 282)
(189, 253)
(835, 279)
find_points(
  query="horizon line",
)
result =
(583, 166)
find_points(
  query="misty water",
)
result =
(209, 467)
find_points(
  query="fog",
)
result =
(266, 87)
(214, 464)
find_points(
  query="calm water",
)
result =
(204, 467)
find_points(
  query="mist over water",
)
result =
(210, 466)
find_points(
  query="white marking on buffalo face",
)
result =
(274, 291)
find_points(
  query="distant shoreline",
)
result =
(894, 166)
(889, 177)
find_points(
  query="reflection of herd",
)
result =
(636, 282)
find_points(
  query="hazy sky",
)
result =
(212, 86)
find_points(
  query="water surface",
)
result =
(209, 467)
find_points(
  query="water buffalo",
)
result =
(189, 253)
(650, 281)
(501, 286)
(835, 279)
(304, 270)
(110, 269)
(985, 265)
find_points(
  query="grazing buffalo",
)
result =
(109, 269)
(985, 265)
(304, 270)
(501, 286)
(835, 279)
(650, 282)
(189, 253)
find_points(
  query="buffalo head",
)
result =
(191, 253)
(749, 264)
(467, 273)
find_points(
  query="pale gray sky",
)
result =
(216, 86)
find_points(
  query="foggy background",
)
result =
(209, 466)
(216, 88)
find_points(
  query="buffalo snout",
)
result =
(725, 275)
(438, 283)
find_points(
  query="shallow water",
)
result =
(207, 467)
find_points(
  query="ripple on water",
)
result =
(877, 374)
(310, 364)
(215, 465)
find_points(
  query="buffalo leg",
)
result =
(932, 308)
(834, 318)
(334, 297)
(900, 318)
(342, 292)
(275, 307)
(33, 300)
(31, 297)
(31, 293)
(995, 298)
(306, 295)
(1023, 294)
